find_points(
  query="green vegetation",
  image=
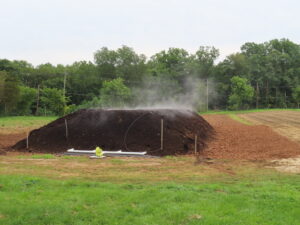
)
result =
(35, 200)
(43, 156)
(241, 93)
(239, 119)
(25, 121)
(296, 95)
(261, 75)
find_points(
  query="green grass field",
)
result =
(36, 200)
(25, 121)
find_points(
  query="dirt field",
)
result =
(235, 140)
(7, 140)
(286, 123)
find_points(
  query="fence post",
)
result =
(66, 124)
(161, 134)
(27, 140)
(196, 144)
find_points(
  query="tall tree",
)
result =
(241, 93)
(9, 92)
(114, 93)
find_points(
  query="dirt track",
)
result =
(286, 123)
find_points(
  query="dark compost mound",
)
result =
(128, 130)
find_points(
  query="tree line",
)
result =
(260, 75)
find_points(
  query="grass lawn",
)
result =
(19, 124)
(25, 121)
(35, 200)
(39, 189)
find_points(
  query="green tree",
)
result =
(9, 92)
(232, 65)
(26, 100)
(296, 95)
(171, 63)
(114, 93)
(202, 62)
(52, 100)
(241, 93)
(130, 66)
(3, 76)
(106, 61)
(83, 82)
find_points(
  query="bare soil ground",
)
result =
(235, 140)
(291, 165)
(9, 139)
(286, 123)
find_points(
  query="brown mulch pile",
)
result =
(128, 130)
(234, 140)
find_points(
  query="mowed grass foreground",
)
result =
(109, 195)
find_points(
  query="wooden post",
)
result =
(196, 142)
(161, 134)
(27, 141)
(66, 124)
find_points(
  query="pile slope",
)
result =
(128, 130)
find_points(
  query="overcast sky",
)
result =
(64, 31)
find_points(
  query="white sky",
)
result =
(64, 31)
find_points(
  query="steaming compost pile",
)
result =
(127, 130)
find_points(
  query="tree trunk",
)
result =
(285, 99)
(276, 97)
(267, 94)
(207, 94)
(37, 101)
(257, 94)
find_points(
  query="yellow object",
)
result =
(99, 152)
